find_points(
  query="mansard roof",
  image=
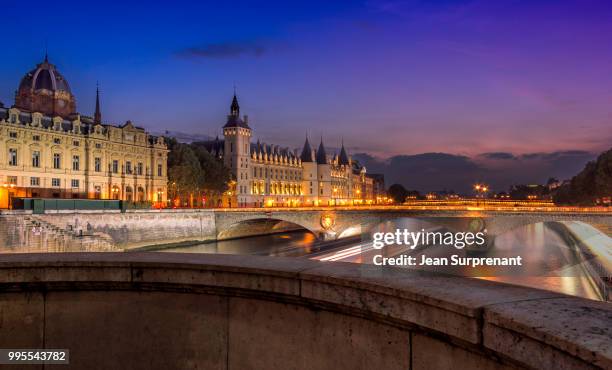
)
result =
(86, 124)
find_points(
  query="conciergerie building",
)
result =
(48, 149)
(270, 175)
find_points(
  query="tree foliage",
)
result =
(398, 192)
(193, 172)
(593, 182)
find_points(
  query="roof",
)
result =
(306, 152)
(321, 155)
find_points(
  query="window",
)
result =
(139, 168)
(74, 183)
(13, 118)
(12, 157)
(13, 134)
(36, 137)
(36, 158)
(97, 164)
(76, 143)
(57, 161)
(76, 160)
(12, 180)
(55, 182)
(57, 140)
(115, 166)
(34, 181)
(159, 170)
(98, 145)
(128, 167)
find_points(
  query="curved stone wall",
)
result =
(184, 311)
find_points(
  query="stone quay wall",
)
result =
(22, 231)
(177, 311)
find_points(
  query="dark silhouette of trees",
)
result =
(398, 192)
(592, 183)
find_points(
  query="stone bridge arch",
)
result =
(235, 224)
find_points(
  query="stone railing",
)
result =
(187, 311)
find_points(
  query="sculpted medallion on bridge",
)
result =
(327, 221)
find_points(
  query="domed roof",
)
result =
(44, 76)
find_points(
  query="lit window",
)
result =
(35, 158)
(12, 157)
(57, 161)
(76, 160)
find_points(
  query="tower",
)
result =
(237, 147)
(324, 176)
(310, 180)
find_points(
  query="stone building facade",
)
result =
(47, 149)
(269, 175)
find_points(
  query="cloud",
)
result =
(223, 50)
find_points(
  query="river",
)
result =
(549, 260)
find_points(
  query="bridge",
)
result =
(114, 230)
(333, 223)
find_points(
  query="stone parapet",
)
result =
(175, 311)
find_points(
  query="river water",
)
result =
(549, 260)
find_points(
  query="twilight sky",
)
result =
(391, 77)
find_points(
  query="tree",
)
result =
(593, 182)
(398, 193)
(185, 175)
(216, 175)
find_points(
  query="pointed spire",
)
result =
(343, 159)
(321, 155)
(97, 114)
(235, 108)
(306, 152)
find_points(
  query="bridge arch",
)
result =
(260, 226)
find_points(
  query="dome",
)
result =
(44, 76)
(45, 90)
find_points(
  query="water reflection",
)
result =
(550, 260)
(290, 244)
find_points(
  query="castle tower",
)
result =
(237, 157)
(324, 176)
(310, 179)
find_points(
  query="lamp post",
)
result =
(481, 189)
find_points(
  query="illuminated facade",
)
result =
(268, 175)
(49, 150)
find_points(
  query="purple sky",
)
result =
(391, 77)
